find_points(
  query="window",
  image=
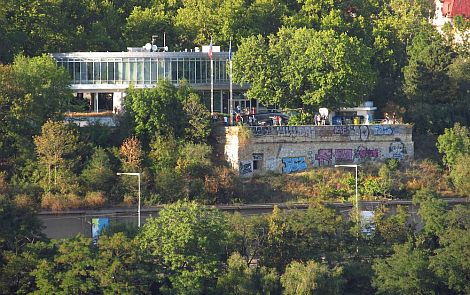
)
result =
(257, 161)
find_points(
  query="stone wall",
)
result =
(286, 149)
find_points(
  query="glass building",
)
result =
(102, 78)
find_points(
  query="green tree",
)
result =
(156, 111)
(143, 23)
(312, 278)
(306, 67)
(432, 211)
(451, 261)
(98, 174)
(32, 90)
(189, 240)
(20, 226)
(56, 148)
(240, 278)
(16, 268)
(405, 272)
(70, 271)
(198, 127)
(454, 142)
(426, 82)
(460, 174)
(122, 267)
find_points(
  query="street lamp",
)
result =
(357, 198)
(138, 176)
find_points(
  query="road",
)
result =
(70, 223)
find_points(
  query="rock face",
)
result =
(286, 149)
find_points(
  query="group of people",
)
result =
(390, 120)
(319, 119)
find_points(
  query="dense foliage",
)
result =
(194, 249)
(300, 53)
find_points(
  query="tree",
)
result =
(16, 269)
(240, 278)
(131, 154)
(156, 111)
(426, 82)
(312, 278)
(20, 226)
(405, 272)
(189, 239)
(432, 211)
(56, 147)
(303, 236)
(198, 127)
(451, 261)
(460, 174)
(454, 142)
(71, 271)
(98, 174)
(143, 23)
(122, 267)
(306, 67)
(32, 90)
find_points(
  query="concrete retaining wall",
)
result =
(286, 149)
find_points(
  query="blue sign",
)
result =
(97, 226)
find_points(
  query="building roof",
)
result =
(452, 8)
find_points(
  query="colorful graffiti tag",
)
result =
(246, 168)
(293, 164)
(344, 155)
(362, 153)
(397, 150)
(324, 157)
(328, 157)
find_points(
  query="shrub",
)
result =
(460, 175)
(94, 199)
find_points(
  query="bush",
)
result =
(94, 199)
(60, 202)
(460, 174)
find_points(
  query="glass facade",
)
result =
(143, 70)
(103, 77)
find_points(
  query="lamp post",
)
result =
(357, 198)
(138, 177)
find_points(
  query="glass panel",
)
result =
(89, 72)
(125, 70)
(167, 69)
(132, 71)
(140, 72)
(174, 71)
(119, 72)
(181, 73)
(147, 68)
(154, 71)
(76, 77)
(111, 72)
(96, 72)
(197, 70)
(104, 72)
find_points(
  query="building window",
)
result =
(257, 161)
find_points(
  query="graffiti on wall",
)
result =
(381, 130)
(353, 132)
(246, 168)
(283, 131)
(324, 157)
(397, 149)
(362, 153)
(344, 155)
(327, 157)
(293, 164)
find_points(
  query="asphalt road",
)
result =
(70, 223)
